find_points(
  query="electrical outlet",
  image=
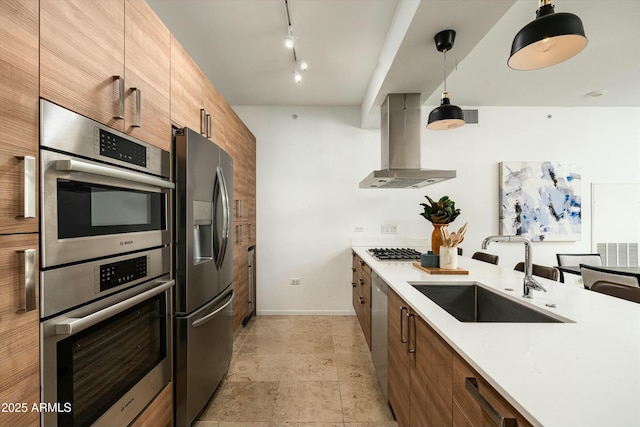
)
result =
(389, 229)
(294, 282)
(358, 229)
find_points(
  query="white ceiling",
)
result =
(360, 50)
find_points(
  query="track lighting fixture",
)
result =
(447, 115)
(290, 41)
(548, 40)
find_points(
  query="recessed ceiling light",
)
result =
(597, 93)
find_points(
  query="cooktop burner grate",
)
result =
(395, 254)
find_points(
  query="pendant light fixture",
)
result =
(548, 40)
(447, 115)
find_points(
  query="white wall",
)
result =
(308, 200)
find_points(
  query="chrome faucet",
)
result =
(528, 282)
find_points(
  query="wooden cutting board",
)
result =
(437, 270)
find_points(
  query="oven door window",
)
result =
(86, 209)
(96, 367)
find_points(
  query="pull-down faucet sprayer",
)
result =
(529, 282)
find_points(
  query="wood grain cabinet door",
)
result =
(19, 352)
(399, 359)
(147, 75)
(81, 53)
(18, 115)
(187, 89)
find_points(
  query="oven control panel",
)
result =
(118, 148)
(121, 272)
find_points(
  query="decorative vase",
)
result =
(436, 237)
(448, 257)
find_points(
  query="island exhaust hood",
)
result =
(400, 132)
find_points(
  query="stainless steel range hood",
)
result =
(400, 131)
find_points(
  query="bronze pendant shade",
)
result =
(446, 116)
(548, 40)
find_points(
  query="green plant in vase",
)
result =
(440, 214)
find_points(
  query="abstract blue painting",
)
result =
(541, 200)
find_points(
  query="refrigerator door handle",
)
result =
(209, 316)
(226, 216)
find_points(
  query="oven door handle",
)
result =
(72, 165)
(74, 324)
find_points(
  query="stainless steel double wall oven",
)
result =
(105, 271)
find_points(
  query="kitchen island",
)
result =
(585, 371)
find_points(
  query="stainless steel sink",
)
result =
(474, 303)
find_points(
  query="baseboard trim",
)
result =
(306, 313)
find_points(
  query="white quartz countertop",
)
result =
(582, 373)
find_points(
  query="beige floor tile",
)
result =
(242, 402)
(206, 424)
(350, 344)
(374, 424)
(355, 366)
(269, 344)
(297, 424)
(313, 324)
(363, 401)
(310, 367)
(243, 424)
(256, 367)
(310, 343)
(345, 325)
(308, 401)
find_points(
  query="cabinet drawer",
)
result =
(467, 400)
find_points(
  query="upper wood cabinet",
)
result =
(81, 56)
(147, 75)
(84, 65)
(187, 90)
(19, 352)
(18, 115)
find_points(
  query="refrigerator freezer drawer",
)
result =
(203, 348)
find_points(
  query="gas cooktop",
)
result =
(395, 254)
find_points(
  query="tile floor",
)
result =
(299, 371)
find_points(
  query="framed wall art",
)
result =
(541, 200)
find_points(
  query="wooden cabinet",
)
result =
(427, 379)
(147, 75)
(19, 352)
(476, 403)
(241, 144)
(18, 114)
(19, 321)
(398, 359)
(84, 65)
(187, 89)
(361, 295)
(419, 369)
(81, 53)
(159, 413)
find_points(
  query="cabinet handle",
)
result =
(29, 280)
(362, 263)
(353, 269)
(361, 300)
(209, 127)
(409, 349)
(29, 178)
(120, 80)
(353, 284)
(402, 338)
(203, 121)
(138, 106)
(471, 385)
(361, 282)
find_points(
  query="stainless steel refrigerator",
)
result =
(203, 265)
